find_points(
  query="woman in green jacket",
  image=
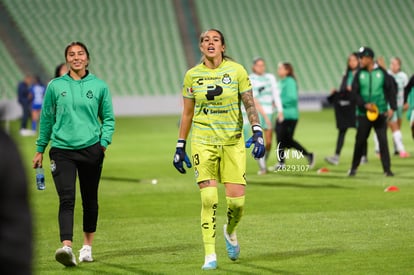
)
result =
(77, 118)
(286, 128)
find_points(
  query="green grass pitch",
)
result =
(294, 222)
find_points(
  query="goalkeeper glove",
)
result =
(257, 138)
(180, 156)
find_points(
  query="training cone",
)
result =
(392, 188)
(323, 170)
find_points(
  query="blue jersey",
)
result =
(38, 92)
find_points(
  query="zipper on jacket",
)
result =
(370, 85)
(73, 94)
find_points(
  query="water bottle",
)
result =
(40, 178)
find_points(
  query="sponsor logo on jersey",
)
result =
(261, 89)
(207, 111)
(63, 93)
(200, 80)
(219, 112)
(213, 91)
(226, 79)
(190, 91)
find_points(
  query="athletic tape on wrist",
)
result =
(257, 128)
(181, 143)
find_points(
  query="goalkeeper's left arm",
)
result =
(257, 138)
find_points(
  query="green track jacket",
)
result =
(376, 87)
(76, 114)
(289, 97)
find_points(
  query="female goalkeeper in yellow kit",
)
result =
(213, 92)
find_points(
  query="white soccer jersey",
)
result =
(402, 79)
(266, 92)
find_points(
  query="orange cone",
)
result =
(392, 188)
(323, 170)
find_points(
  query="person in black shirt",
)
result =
(345, 110)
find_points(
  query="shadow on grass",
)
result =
(107, 259)
(299, 185)
(281, 256)
(122, 179)
(123, 269)
(258, 269)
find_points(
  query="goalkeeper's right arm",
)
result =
(186, 118)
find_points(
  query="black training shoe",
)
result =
(352, 172)
(311, 160)
(389, 174)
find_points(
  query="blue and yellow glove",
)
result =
(180, 156)
(257, 138)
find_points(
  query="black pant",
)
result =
(65, 164)
(284, 135)
(340, 142)
(363, 129)
(25, 115)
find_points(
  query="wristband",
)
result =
(257, 128)
(181, 143)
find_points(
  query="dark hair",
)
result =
(77, 43)
(223, 41)
(57, 69)
(38, 80)
(355, 54)
(289, 68)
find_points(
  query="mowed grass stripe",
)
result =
(294, 223)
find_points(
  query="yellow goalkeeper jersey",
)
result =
(216, 92)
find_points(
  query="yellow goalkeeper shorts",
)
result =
(224, 163)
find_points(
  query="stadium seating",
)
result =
(10, 75)
(134, 45)
(316, 36)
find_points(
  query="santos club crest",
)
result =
(226, 79)
(89, 94)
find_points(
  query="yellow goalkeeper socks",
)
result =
(209, 202)
(235, 208)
